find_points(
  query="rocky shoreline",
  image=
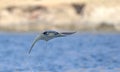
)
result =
(76, 15)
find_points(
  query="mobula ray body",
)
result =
(48, 35)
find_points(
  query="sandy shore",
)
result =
(80, 15)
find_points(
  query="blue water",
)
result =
(81, 52)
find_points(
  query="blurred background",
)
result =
(78, 15)
(95, 47)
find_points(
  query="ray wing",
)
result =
(36, 39)
(67, 33)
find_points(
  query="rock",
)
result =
(60, 14)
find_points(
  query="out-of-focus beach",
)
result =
(78, 15)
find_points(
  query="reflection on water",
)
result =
(78, 52)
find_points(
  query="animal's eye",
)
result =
(45, 33)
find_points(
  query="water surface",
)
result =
(86, 52)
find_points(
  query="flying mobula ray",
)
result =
(48, 35)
